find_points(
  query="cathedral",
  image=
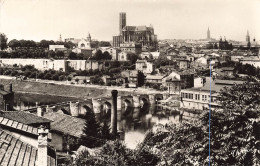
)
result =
(143, 35)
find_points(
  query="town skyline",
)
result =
(170, 19)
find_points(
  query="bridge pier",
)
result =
(96, 106)
(136, 101)
(74, 109)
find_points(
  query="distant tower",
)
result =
(89, 38)
(247, 37)
(208, 34)
(122, 22)
(60, 39)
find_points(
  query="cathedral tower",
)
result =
(122, 21)
(208, 34)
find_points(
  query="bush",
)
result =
(61, 77)
(47, 76)
(69, 78)
(14, 73)
(55, 77)
(41, 75)
(7, 72)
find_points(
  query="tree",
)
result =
(234, 132)
(14, 43)
(104, 44)
(90, 130)
(140, 79)
(60, 54)
(3, 41)
(72, 55)
(107, 56)
(77, 80)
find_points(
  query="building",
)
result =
(6, 98)
(186, 78)
(252, 60)
(137, 34)
(54, 47)
(183, 64)
(24, 139)
(145, 66)
(158, 79)
(40, 64)
(199, 98)
(73, 40)
(85, 43)
(77, 64)
(65, 130)
(135, 48)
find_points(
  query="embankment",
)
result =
(59, 90)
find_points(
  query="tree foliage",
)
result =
(235, 136)
(3, 41)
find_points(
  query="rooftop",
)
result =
(15, 152)
(66, 124)
(24, 117)
(155, 77)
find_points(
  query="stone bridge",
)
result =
(101, 106)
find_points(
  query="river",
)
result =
(132, 126)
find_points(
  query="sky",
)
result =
(171, 19)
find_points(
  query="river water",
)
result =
(132, 126)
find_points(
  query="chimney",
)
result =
(11, 87)
(114, 113)
(42, 146)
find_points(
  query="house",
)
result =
(130, 76)
(77, 64)
(199, 82)
(145, 66)
(18, 152)
(155, 54)
(124, 56)
(146, 55)
(252, 60)
(132, 47)
(228, 71)
(6, 98)
(154, 79)
(183, 64)
(199, 98)
(185, 77)
(65, 130)
(54, 47)
(24, 138)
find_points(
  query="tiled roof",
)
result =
(18, 125)
(154, 77)
(15, 152)
(66, 124)
(24, 117)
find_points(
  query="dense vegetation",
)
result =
(235, 137)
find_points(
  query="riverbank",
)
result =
(67, 90)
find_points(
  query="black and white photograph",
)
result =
(129, 82)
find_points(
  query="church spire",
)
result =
(208, 34)
(247, 37)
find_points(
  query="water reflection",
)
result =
(24, 101)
